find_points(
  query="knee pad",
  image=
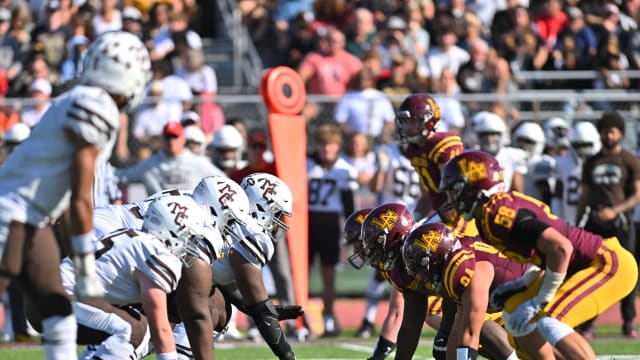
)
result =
(115, 348)
(553, 330)
(55, 305)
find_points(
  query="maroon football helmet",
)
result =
(383, 232)
(417, 116)
(352, 236)
(426, 250)
(465, 180)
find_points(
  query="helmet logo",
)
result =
(180, 212)
(434, 108)
(473, 171)
(429, 241)
(268, 189)
(360, 218)
(387, 220)
(226, 195)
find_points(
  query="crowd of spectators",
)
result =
(412, 45)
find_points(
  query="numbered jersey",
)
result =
(401, 181)
(541, 172)
(426, 159)
(569, 171)
(40, 169)
(498, 226)
(120, 254)
(461, 264)
(512, 161)
(325, 185)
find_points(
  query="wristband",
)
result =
(168, 356)
(83, 243)
(466, 353)
(551, 281)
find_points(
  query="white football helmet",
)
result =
(490, 129)
(225, 139)
(271, 200)
(180, 223)
(226, 201)
(529, 136)
(556, 132)
(194, 135)
(585, 139)
(118, 62)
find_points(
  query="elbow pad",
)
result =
(266, 318)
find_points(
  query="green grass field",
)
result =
(608, 345)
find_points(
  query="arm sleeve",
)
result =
(527, 227)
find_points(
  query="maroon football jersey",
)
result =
(461, 265)
(440, 147)
(496, 225)
(401, 280)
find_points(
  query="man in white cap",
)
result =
(40, 91)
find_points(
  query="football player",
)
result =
(53, 170)
(331, 187)
(238, 272)
(465, 270)
(585, 142)
(428, 151)
(541, 167)
(525, 230)
(491, 130)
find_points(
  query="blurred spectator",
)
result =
(452, 112)
(284, 14)
(200, 76)
(473, 32)
(256, 17)
(503, 21)
(176, 92)
(259, 158)
(158, 19)
(402, 79)
(584, 38)
(456, 10)
(362, 33)
(392, 40)
(358, 153)
(20, 26)
(132, 21)
(241, 126)
(301, 40)
(611, 64)
(52, 35)
(570, 57)
(372, 62)
(8, 117)
(150, 118)
(164, 41)
(226, 149)
(332, 12)
(10, 48)
(190, 118)
(81, 24)
(328, 69)
(551, 22)
(485, 72)
(40, 91)
(171, 167)
(72, 66)
(446, 53)
(364, 109)
(108, 18)
(609, 24)
(485, 10)
(418, 39)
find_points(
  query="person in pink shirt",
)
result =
(551, 22)
(327, 70)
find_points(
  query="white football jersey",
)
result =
(512, 161)
(39, 170)
(250, 241)
(325, 185)
(120, 254)
(540, 168)
(107, 219)
(401, 181)
(569, 172)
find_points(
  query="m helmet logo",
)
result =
(386, 220)
(226, 195)
(180, 212)
(473, 171)
(268, 189)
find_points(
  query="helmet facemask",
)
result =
(413, 129)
